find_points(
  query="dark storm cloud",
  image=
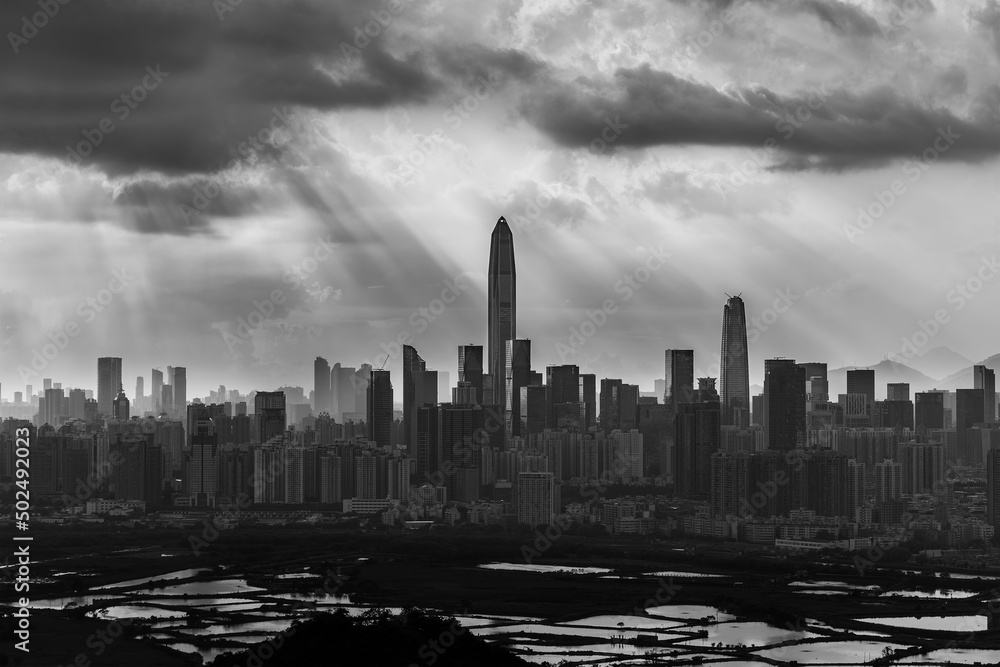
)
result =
(221, 81)
(840, 17)
(833, 130)
(173, 208)
(469, 63)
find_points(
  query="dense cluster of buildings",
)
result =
(510, 445)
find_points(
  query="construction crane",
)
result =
(384, 362)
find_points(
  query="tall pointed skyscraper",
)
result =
(502, 307)
(734, 365)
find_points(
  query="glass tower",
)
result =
(501, 308)
(734, 378)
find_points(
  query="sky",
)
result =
(239, 188)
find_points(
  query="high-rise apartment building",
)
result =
(923, 469)
(535, 498)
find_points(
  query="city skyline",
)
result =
(732, 369)
(953, 380)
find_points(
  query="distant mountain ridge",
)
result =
(963, 379)
(938, 362)
(887, 371)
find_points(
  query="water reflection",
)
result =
(169, 576)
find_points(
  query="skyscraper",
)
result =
(502, 311)
(734, 371)
(177, 381)
(533, 410)
(109, 381)
(815, 369)
(120, 407)
(897, 391)
(470, 368)
(156, 391)
(77, 398)
(50, 412)
(362, 378)
(201, 463)
(562, 386)
(862, 381)
(678, 375)
(588, 400)
(784, 403)
(379, 418)
(969, 406)
(697, 436)
(139, 475)
(619, 405)
(446, 442)
(180, 390)
(517, 374)
(419, 388)
(168, 392)
(321, 386)
(984, 378)
(929, 410)
(269, 415)
(610, 417)
(464, 394)
(993, 490)
(343, 389)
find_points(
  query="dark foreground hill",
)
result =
(380, 638)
